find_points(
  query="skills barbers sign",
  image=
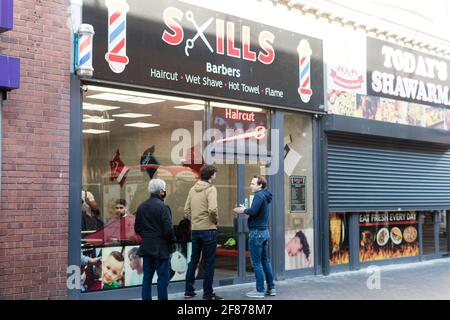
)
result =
(404, 74)
(176, 46)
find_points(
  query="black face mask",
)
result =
(163, 194)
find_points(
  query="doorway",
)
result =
(239, 154)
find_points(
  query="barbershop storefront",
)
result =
(386, 146)
(176, 86)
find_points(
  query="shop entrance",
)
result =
(238, 158)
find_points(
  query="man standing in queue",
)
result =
(202, 209)
(154, 225)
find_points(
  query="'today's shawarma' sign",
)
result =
(404, 74)
(179, 47)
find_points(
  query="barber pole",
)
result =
(117, 34)
(85, 38)
(304, 53)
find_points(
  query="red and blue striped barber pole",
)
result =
(304, 53)
(85, 39)
(117, 34)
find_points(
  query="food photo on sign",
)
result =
(392, 111)
(447, 119)
(342, 103)
(388, 235)
(339, 239)
(434, 117)
(367, 107)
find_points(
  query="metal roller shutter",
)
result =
(367, 173)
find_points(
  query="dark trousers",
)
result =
(161, 266)
(204, 243)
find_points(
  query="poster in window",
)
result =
(297, 194)
(388, 235)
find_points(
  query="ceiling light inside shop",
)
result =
(95, 131)
(142, 125)
(141, 100)
(143, 94)
(98, 107)
(192, 107)
(124, 98)
(131, 115)
(89, 119)
(237, 107)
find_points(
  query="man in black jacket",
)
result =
(154, 225)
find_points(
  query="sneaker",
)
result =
(271, 292)
(255, 294)
(189, 295)
(213, 297)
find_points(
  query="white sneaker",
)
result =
(271, 292)
(255, 294)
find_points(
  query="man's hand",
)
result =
(239, 210)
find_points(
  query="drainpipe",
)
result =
(2, 96)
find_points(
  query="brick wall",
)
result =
(35, 174)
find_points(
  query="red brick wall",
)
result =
(35, 174)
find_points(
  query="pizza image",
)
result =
(410, 234)
(341, 103)
(392, 111)
(415, 115)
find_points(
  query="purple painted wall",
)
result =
(9, 73)
(9, 67)
(6, 15)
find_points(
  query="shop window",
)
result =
(339, 239)
(298, 186)
(443, 233)
(388, 235)
(428, 233)
(130, 138)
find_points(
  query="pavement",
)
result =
(428, 280)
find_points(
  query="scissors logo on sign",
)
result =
(190, 43)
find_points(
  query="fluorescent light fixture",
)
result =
(141, 100)
(142, 125)
(143, 94)
(98, 107)
(237, 107)
(97, 120)
(109, 96)
(123, 98)
(95, 131)
(192, 107)
(131, 115)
